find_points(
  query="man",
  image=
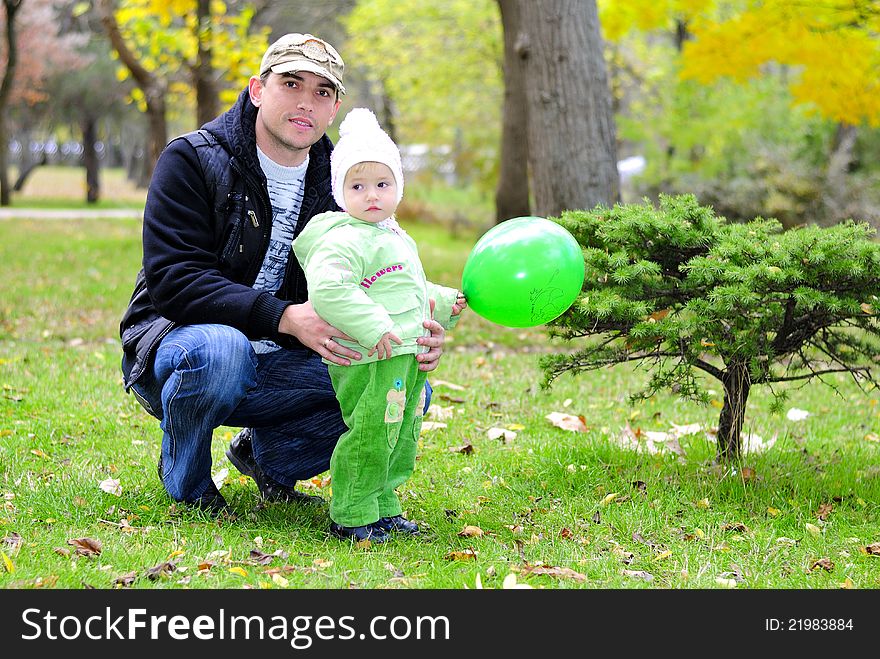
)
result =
(219, 330)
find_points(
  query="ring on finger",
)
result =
(326, 342)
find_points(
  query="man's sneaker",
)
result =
(241, 454)
(371, 532)
(399, 524)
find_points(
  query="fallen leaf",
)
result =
(428, 426)
(220, 477)
(8, 565)
(466, 555)
(322, 563)
(567, 421)
(824, 510)
(510, 583)
(466, 449)
(448, 385)
(873, 549)
(12, 542)
(85, 546)
(125, 580)
(261, 558)
(773, 512)
(111, 486)
(638, 574)
(471, 531)
(739, 527)
(501, 433)
(726, 583)
(847, 584)
(824, 563)
(813, 529)
(565, 533)
(451, 399)
(62, 551)
(162, 570)
(704, 504)
(551, 571)
(279, 580)
(663, 555)
(794, 414)
(608, 498)
(240, 571)
(747, 474)
(440, 413)
(867, 308)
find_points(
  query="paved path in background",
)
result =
(13, 212)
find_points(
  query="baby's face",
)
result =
(370, 192)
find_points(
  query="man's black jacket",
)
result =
(207, 223)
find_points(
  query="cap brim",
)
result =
(301, 65)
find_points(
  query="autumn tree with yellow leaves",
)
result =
(182, 48)
(821, 56)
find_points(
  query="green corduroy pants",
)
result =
(382, 405)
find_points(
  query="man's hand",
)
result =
(301, 321)
(428, 361)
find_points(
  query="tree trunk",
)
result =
(26, 169)
(207, 98)
(512, 193)
(90, 159)
(571, 134)
(737, 384)
(151, 85)
(12, 7)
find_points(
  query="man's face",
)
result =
(295, 110)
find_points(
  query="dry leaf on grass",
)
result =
(448, 385)
(126, 580)
(111, 486)
(471, 532)
(872, 549)
(501, 433)
(824, 510)
(466, 449)
(466, 555)
(567, 421)
(824, 563)
(12, 543)
(85, 546)
(552, 571)
(638, 574)
(162, 570)
(428, 426)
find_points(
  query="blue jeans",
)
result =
(205, 376)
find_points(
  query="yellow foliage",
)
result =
(829, 49)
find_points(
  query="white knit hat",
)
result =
(361, 139)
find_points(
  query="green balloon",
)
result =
(523, 272)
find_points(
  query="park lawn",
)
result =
(549, 508)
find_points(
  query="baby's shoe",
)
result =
(398, 523)
(375, 534)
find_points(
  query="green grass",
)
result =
(543, 500)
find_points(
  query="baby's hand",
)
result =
(383, 348)
(460, 304)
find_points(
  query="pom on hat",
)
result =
(361, 139)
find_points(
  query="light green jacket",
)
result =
(366, 281)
